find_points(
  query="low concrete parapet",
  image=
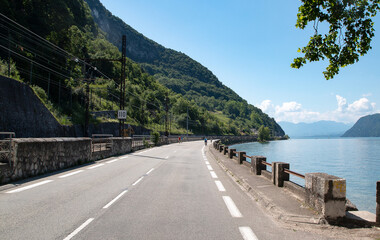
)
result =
(240, 157)
(278, 173)
(296, 189)
(327, 194)
(225, 150)
(378, 203)
(231, 152)
(256, 164)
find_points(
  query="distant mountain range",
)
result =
(316, 129)
(367, 126)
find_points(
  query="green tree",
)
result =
(349, 34)
(263, 133)
(155, 136)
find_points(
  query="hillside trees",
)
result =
(349, 35)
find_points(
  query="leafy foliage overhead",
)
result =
(350, 31)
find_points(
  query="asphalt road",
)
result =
(171, 192)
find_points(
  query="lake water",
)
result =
(355, 159)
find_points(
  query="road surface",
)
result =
(175, 191)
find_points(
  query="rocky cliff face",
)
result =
(367, 126)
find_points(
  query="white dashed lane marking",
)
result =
(209, 167)
(111, 161)
(247, 233)
(220, 186)
(76, 231)
(213, 174)
(115, 199)
(29, 187)
(234, 211)
(138, 180)
(70, 174)
(96, 166)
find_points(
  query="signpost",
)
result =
(122, 114)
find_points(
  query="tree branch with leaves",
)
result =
(349, 35)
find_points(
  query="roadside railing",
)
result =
(332, 206)
(101, 142)
(6, 147)
(141, 141)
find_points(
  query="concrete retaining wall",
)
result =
(35, 156)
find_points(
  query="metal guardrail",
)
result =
(101, 142)
(6, 147)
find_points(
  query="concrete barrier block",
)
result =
(278, 174)
(327, 194)
(256, 164)
(240, 157)
(378, 203)
(225, 150)
(231, 152)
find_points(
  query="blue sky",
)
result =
(249, 45)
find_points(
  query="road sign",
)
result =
(122, 114)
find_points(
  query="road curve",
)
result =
(171, 192)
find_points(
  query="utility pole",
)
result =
(167, 115)
(122, 82)
(187, 123)
(9, 54)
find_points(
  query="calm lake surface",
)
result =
(355, 159)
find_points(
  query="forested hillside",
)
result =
(58, 73)
(367, 126)
(182, 74)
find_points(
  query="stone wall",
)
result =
(35, 156)
(119, 146)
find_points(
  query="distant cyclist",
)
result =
(205, 141)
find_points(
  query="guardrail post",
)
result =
(378, 203)
(256, 165)
(231, 152)
(278, 174)
(221, 148)
(327, 194)
(225, 150)
(241, 157)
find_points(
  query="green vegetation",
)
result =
(155, 136)
(264, 134)
(194, 95)
(349, 36)
(185, 76)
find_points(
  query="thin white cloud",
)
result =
(345, 112)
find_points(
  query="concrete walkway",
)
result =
(281, 204)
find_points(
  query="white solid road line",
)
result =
(76, 231)
(29, 187)
(220, 186)
(209, 167)
(213, 174)
(166, 157)
(124, 157)
(115, 199)
(137, 181)
(111, 161)
(96, 166)
(247, 233)
(150, 171)
(232, 207)
(70, 174)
